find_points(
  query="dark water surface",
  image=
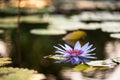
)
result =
(35, 47)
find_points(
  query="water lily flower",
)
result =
(78, 54)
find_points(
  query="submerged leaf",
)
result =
(75, 36)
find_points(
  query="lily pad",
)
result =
(88, 67)
(8, 25)
(66, 25)
(4, 61)
(1, 31)
(102, 63)
(115, 35)
(9, 73)
(32, 19)
(110, 27)
(8, 20)
(47, 32)
(84, 68)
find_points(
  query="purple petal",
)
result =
(92, 57)
(91, 54)
(67, 47)
(77, 46)
(73, 61)
(84, 59)
(76, 60)
(85, 46)
(90, 50)
(59, 49)
(89, 47)
(61, 52)
(59, 61)
(62, 46)
(67, 55)
(65, 61)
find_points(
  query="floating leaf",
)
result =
(87, 68)
(19, 74)
(108, 63)
(1, 31)
(56, 57)
(98, 65)
(81, 67)
(115, 35)
(62, 23)
(73, 37)
(110, 27)
(47, 32)
(8, 25)
(4, 61)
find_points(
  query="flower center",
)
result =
(75, 52)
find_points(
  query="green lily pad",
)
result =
(32, 19)
(4, 61)
(47, 32)
(1, 31)
(9, 73)
(84, 67)
(56, 57)
(8, 25)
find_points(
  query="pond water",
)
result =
(33, 47)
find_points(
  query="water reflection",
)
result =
(112, 49)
